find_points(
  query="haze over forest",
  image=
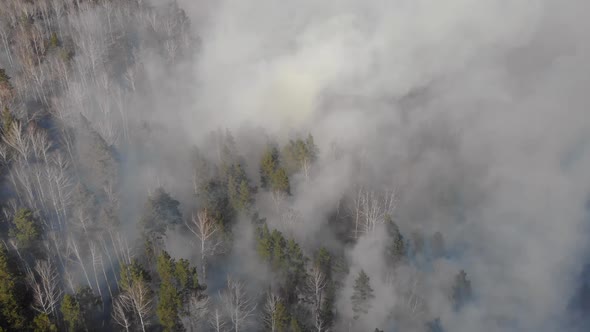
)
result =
(258, 165)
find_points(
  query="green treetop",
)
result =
(362, 295)
(26, 230)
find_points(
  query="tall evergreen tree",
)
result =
(268, 165)
(7, 121)
(298, 155)
(161, 212)
(362, 295)
(461, 291)
(6, 89)
(70, 310)
(26, 231)
(178, 280)
(280, 182)
(12, 314)
(395, 250)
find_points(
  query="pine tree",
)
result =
(25, 231)
(298, 155)
(6, 89)
(42, 323)
(295, 327)
(169, 303)
(7, 121)
(268, 165)
(280, 181)
(362, 295)
(264, 244)
(178, 280)
(132, 273)
(296, 263)
(245, 199)
(395, 251)
(90, 305)
(461, 292)
(11, 309)
(4, 78)
(53, 40)
(281, 317)
(279, 256)
(161, 213)
(70, 310)
(238, 189)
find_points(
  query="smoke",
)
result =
(475, 110)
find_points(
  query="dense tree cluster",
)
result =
(75, 257)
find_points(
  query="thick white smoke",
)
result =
(480, 98)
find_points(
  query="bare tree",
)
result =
(44, 282)
(316, 282)
(197, 308)
(141, 301)
(407, 288)
(238, 306)
(291, 218)
(18, 140)
(270, 311)
(75, 250)
(120, 312)
(278, 197)
(205, 230)
(371, 209)
(356, 213)
(96, 258)
(216, 321)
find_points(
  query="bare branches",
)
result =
(371, 209)
(270, 311)
(206, 230)
(141, 300)
(238, 306)
(216, 321)
(44, 281)
(121, 309)
(197, 309)
(316, 282)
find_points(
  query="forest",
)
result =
(173, 165)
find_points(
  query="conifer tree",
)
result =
(362, 295)
(70, 310)
(461, 292)
(161, 213)
(7, 120)
(6, 89)
(12, 316)
(268, 165)
(26, 230)
(395, 251)
(280, 182)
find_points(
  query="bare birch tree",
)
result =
(270, 311)
(216, 321)
(121, 311)
(316, 283)
(206, 231)
(238, 306)
(371, 209)
(141, 301)
(45, 283)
